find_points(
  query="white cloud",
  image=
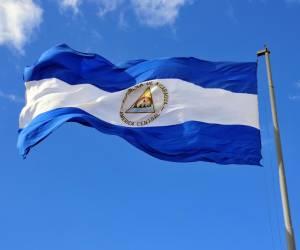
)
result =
(72, 4)
(11, 97)
(122, 21)
(153, 13)
(18, 20)
(294, 97)
(231, 14)
(157, 13)
(106, 6)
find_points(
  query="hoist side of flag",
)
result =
(175, 109)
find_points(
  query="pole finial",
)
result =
(264, 51)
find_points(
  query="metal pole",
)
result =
(282, 179)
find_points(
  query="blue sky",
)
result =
(81, 189)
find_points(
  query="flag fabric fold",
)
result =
(175, 109)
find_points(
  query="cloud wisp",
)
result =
(11, 97)
(18, 20)
(231, 14)
(70, 4)
(296, 97)
(297, 84)
(106, 6)
(152, 13)
(156, 13)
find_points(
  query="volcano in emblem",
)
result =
(144, 104)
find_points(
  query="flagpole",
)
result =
(282, 178)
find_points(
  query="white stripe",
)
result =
(187, 102)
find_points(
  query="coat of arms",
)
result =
(143, 103)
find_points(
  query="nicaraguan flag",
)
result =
(175, 109)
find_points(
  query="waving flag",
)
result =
(175, 109)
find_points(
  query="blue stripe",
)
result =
(75, 67)
(187, 142)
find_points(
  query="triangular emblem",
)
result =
(144, 104)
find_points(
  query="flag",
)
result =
(179, 109)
